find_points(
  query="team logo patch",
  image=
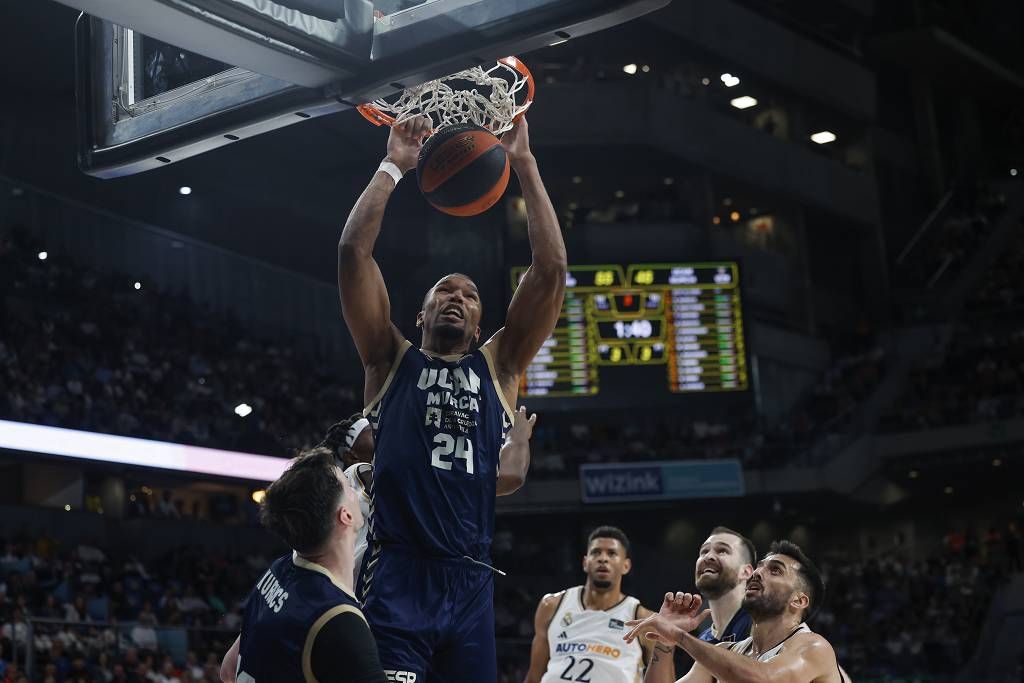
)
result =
(616, 624)
(567, 619)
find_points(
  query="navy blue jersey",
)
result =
(439, 424)
(283, 615)
(738, 629)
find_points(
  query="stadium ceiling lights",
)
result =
(729, 80)
(744, 102)
(630, 69)
(243, 410)
(43, 255)
(824, 137)
(184, 190)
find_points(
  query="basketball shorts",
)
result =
(433, 619)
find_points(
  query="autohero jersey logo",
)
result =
(588, 649)
(400, 676)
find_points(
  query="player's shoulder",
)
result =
(813, 644)
(548, 607)
(553, 600)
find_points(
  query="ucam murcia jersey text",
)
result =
(439, 423)
(587, 645)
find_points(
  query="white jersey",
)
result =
(587, 645)
(746, 647)
(355, 475)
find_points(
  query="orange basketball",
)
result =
(463, 170)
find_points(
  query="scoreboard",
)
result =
(684, 318)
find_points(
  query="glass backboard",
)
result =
(162, 80)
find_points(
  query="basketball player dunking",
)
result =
(578, 631)
(440, 414)
(784, 591)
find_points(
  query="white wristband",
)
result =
(391, 169)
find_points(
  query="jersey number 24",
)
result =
(457, 447)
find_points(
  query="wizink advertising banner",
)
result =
(662, 480)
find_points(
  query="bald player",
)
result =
(784, 591)
(440, 412)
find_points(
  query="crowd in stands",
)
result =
(898, 618)
(100, 617)
(981, 374)
(85, 350)
(940, 254)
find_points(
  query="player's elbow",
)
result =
(350, 250)
(510, 482)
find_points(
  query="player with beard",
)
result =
(578, 631)
(784, 591)
(440, 414)
(725, 562)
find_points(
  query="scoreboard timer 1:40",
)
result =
(684, 316)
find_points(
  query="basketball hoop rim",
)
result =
(379, 118)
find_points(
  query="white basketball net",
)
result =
(493, 106)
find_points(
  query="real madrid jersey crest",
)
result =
(587, 645)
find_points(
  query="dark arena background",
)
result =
(794, 307)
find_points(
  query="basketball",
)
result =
(463, 170)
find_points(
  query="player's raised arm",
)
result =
(537, 301)
(514, 458)
(364, 296)
(540, 652)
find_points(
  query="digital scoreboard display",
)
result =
(684, 318)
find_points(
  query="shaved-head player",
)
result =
(440, 413)
(784, 591)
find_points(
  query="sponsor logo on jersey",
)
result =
(616, 624)
(563, 635)
(587, 648)
(567, 619)
(400, 676)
